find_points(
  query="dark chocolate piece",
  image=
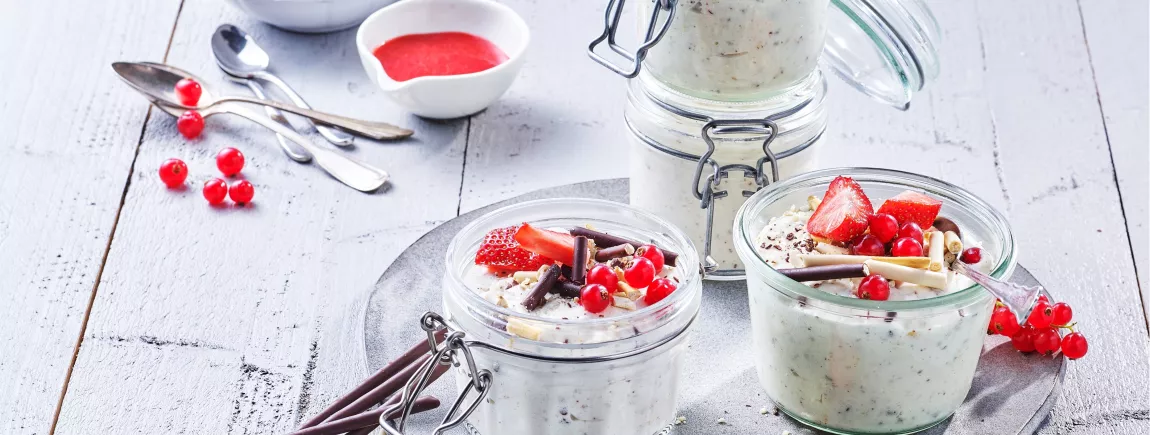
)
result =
(604, 240)
(608, 254)
(822, 273)
(546, 282)
(579, 269)
(567, 289)
(944, 225)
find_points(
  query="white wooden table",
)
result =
(129, 308)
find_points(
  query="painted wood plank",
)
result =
(68, 135)
(1119, 41)
(230, 320)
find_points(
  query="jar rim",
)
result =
(744, 242)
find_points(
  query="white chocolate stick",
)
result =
(826, 260)
(813, 202)
(896, 272)
(828, 248)
(522, 329)
(953, 242)
(937, 246)
(524, 277)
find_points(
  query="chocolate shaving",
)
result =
(944, 225)
(823, 273)
(567, 289)
(604, 240)
(608, 254)
(546, 282)
(579, 269)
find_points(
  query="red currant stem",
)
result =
(1069, 326)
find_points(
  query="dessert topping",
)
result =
(551, 244)
(843, 213)
(867, 244)
(547, 281)
(640, 273)
(603, 275)
(937, 246)
(659, 289)
(595, 298)
(911, 206)
(874, 287)
(883, 226)
(652, 253)
(604, 240)
(971, 255)
(911, 230)
(500, 252)
(906, 247)
(823, 273)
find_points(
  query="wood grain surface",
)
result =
(246, 320)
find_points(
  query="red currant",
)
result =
(1022, 340)
(659, 289)
(1043, 298)
(215, 190)
(230, 161)
(641, 273)
(912, 230)
(873, 287)
(906, 247)
(883, 226)
(971, 255)
(594, 298)
(1046, 341)
(190, 124)
(651, 252)
(1041, 316)
(1062, 313)
(1074, 345)
(603, 275)
(188, 91)
(242, 192)
(1004, 322)
(868, 244)
(173, 172)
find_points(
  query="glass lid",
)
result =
(884, 48)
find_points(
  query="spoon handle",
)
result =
(360, 176)
(335, 136)
(292, 149)
(1018, 298)
(371, 129)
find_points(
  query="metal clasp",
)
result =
(453, 347)
(611, 26)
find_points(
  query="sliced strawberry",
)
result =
(843, 214)
(501, 253)
(911, 206)
(550, 244)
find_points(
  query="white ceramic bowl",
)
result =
(446, 96)
(310, 16)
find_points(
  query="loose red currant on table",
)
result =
(641, 273)
(906, 247)
(242, 192)
(912, 230)
(173, 172)
(603, 275)
(867, 244)
(659, 289)
(1004, 322)
(971, 255)
(873, 287)
(651, 252)
(594, 298)
(1074, 345)
(1042, 315)
(215, 191)
(188, 91)
(190, 124)
(883, 226)
(1022, 340)
(1046, 340)
(1062, 313)
(230, 161)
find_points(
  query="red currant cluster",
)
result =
(230, 161)
(1040, 332)
(602, 281)
(190, 124)
(905, 241)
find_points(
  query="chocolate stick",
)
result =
(369, 419)
(579, 269)
(567, 289)
(822, 273)
(608, 254)
(384, 374)
(604, 240)
(378, 394)
(546, 283)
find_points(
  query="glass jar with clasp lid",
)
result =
(728, 86)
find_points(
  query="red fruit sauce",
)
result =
(437, 54)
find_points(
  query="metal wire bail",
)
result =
(448, 354)
(611, 26)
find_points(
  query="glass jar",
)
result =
(850, 365)
(616, 374)
(694, 161)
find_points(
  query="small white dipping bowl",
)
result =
(446, 96)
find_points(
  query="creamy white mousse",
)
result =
(737, 49)
(857, 370)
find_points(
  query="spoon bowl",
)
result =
(237, 53)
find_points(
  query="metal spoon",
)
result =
(158, 81)
(358, 175)
(292, 149)
(238, 55)
(1019, 299)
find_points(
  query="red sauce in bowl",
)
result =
(437, 54)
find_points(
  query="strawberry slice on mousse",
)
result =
(843, 213)
(550, 244)
(501, 253)
(910, 206)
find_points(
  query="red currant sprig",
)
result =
(1040, 331)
